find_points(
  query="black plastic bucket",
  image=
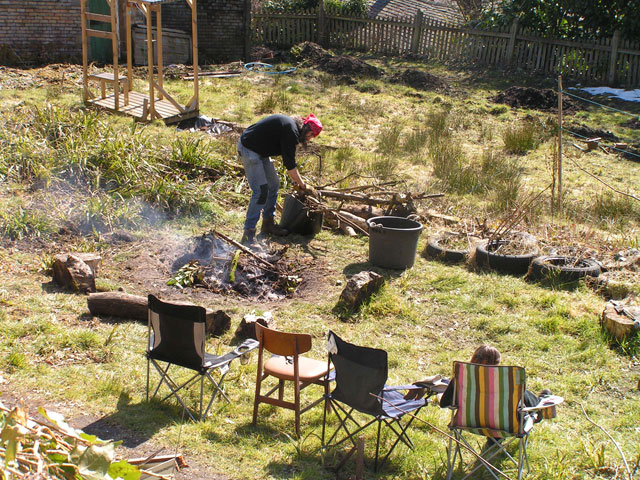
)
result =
(393, 241)
(297, 218)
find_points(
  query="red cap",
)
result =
(314, 124)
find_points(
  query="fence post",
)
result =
(417, 31)
(512, 41)
(321, 23)
(613, 60)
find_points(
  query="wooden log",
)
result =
(396, 198)
(118, 304)
(135, 307)
(332, 221)
(363, 211)
(618, 324)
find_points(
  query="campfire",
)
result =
(217, 263)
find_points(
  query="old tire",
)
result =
(438, 252)
(513, 264)
(563, 269)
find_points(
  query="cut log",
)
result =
(218, 322)
(118, 304)
(359, 289)
(135, 307)
(247, 327)
(332, 221)
(76, 271)
(354, 219)
(363, 211)
(619, 324)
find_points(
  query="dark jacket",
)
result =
(272, 136)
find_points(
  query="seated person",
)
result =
(484, 355)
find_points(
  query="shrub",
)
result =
(389, 138)
(519, 139)
(276, 100)
(608, 205)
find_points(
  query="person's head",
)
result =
(309, 127)
(486, 355)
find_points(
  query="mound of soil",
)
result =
(259, 53)
(312, 54)
(589, 132)
(632, 123)
(346, 66)
(536, 98)
(420, 80)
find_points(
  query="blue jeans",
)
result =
(264, 182)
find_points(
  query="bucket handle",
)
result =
(375, 228)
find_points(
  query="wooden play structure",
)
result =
(156, 103)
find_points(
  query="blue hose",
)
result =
(258, 66)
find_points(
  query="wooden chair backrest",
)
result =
(283, 343)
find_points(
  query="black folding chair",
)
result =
(176, 336)
(361, 374)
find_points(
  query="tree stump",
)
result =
(359, 289)
(77, 271)
(218, 322)
(247, 327)
(619, 324)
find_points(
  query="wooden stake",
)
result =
(560, 146)
(360, 458)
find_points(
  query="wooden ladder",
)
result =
(114, 78)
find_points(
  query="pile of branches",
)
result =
(51, 449)
(357, 204)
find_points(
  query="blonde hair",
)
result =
(486, 355)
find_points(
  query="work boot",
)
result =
(248, 237)
(269, 226)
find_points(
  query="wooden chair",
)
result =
(287, 364)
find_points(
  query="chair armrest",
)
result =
(246, 346)
(395, 388)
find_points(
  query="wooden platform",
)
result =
(167, 111)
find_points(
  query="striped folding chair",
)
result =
(489, 401)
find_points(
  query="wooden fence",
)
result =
(612, 61)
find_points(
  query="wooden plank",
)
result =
(169, 98)
(98, 33)
(85, 81)
(160, 82)
(96, 17)
(129, 85)
(115, 48)
(150, 63)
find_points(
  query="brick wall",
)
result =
(220, 27)
(49, 30)
(40, 31)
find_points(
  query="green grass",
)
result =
(63, 166)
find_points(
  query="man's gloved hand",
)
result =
(309, 190)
